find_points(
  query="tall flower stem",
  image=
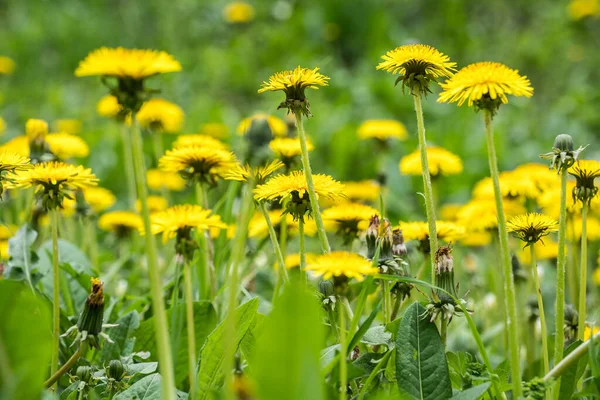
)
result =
(559, 340)
(273, 235)
(128, 159)
(302, 247)
(66, 366)
(55, 292)
(314, 202)
(191, 334)
(510, 301)
(343, 356)
(583, 271)
(429, 204)
(160, 318)
(205, 273)
(387, 300)
(538, 292)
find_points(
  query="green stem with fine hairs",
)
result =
(538, 292)
(191, 331)
(302, 249)
(55, 292)
(583, 271)
(129, 172)
(66, 366)
(204, 273)
(559, 340)
(429, 203)
(567, 363)
(343, 356)
(160, 317)
(510, 301)
(275, 243)
(314, 202)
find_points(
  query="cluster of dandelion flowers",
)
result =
(198, 164)
(158, 179)
(199, 141)
(182, 218)
(531, 227)
(54, 181)
(342, 264)
(585, 172)
(258, 174)
(160, 115)
(440, 160)
(293, 83)
(348, 218)
(382, 129)
(120, 222)
(485, 85)
(277, 126)
(417, 65)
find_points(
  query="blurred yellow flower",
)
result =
(539, 174)
(200, 141)
(348, 217)
(342, 263)
(198, 164)
(285, 186)
(65, 145)
(512, 186)
(480, 214)
(160, 115)
(579, 9)
(548, 250)
(441, 162)
(293, 260)
(419, 230)
(158, 179)
(183, 217)
(593, 228)
(549, 201)
(531, 227)
(216, 231)
(71, 126)
(214, 129)
(258, 228)
(277, 126)
(448, 212)
(476, 239)
(36, 129)
(7, 65)
(589, 332)
(120, 222)
(99, 198)
(155, 204)
(238, 12)
(382, 129)
(109, 107)
(7, 231)
(288, 148)
(4, 250)
(127, 63)
(367, 190)
(18, 145)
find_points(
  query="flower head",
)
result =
(417, 65)
(441, 162)
(109, 107)
(480, 214)
(585, 172)
(367, 191)
(158, 179)
(293, 260)
(238, 12)
(155, 204)
(160, 115)
(276, 126)
(66, 145)
(214, 129)
(54, 181)
(342, 264)
(36, 129)
(348, 219)
(72, 126)
(563, 154)
(120, 222)
(257, 174)
(199, 141)
(198, 164)
(293, 83)
(382, 129)
(531, 227)
(485, 85)
(7, 65)
(13, 162)
(579, 9)
(288, 149)
(98, 198)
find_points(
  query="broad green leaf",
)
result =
(248, 343)
(147, 388)
(25, 342)
(364, 365)
(122, 336)
(473, 393)
(142, 368)
(378, 335)
(363, 328)
(421, 367)
(205, 320)
(568, 380)
(289, 348)
(22, 257)
(210, 376)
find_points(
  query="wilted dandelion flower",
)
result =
(485, 85)
(53, 181)
(382, 129)
(417, 65)
(7, 65)
(531, 227)
(512, 186)
(72, 126)
(155, 204)
(579, 9)
(288, 149)
(258, 228)
(441, 162)
(238, 12)
(65, 145)
(585, 172)
(158, 180)
(258, 174)
(180, 219)
(348, 219)
(199, 141)
(342, 264)
(277, 126)
(160, 115)
(198, 164)
(120, 222)
(109, 107)
(99, 198)
(293, 83)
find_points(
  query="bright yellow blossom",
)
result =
(441, 162)
(382, 129)
(342, 263)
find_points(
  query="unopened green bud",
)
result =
(326, 288)
(92, 315)
(571, 322)
(84, 373)
(444, 274)
(564, 142)
(116, 370)
(371, 236)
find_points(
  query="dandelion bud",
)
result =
(91, 317)
(398, 246)
(84, 373)
(571, 322)
(564, 142)
(116, 370)
(371, 237)
(326, 288)
(387, 240)
(536, 388)
(563, 155)
(444, 273)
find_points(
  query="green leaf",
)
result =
(144, 368)
(210, 376)
(122, 336)
(473, 393)
(568, 380)
(22, 258)
(248, 343)
(289, 348)
(421, 367)
(25, 342)
(147, 388)
(363, 328)
(205, 320)
(378, 335)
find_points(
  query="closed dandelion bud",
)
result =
(564, 142)
(387, 241)
(398, 246)
(571, 322)
(563, 155)
(327, 291)
(91, 317)
(84, 373)
(371, 236)
(536, 388)
(444, 274)
(116, 370)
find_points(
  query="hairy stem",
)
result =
(583, 272)
(66, 367)
(281, 270)
(538, 292)
(129, 172)
(55, 292)
(343, 356)
(559, 341)
(191, 331)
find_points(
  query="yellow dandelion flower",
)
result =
(277, 126)
(531, 227)
(448, 211)
(160, 115)
(7, 231)
(348, 218)
(258, 228)
(539, 174)
(512, 186)
(585, 172)
(36, 129)
(238, 12)
(7, 65)
(4, 250)
(127, 63)
(419, 230)
(342, 264)
(293, 260)
(592, 232)
(155, 204)
(288, 148)
(109, 107)
(159, 180)
(548, 250)
(183, 218)
(480, 214)
(417, 65)
(382, 129)
(199, 141)
(259, 174)
(198, 164)
(120, 222)
(485, 85)
(294, 185)
(589, 332)
(476, 239)
(367, 191)
(65, 145)
(13, 162)
(71, 126)
(579, 9)
(229, 234)
(18, 145)
(441, 162)
(215, 129)
(549, 201)
(99, 198)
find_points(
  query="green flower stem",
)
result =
(385, 287)
(538, 292)
(191, 334)
(302, 249)
(55, 292)
(443, 330)
(343, 356)
(160, 318)
(567, 363)
(129, 172)
(333, 323)
(281, 270)
(314, 202)
(204, 273)
(429, 205)
(67, 366)
(559, 341)
(583, 271)
(509, 285)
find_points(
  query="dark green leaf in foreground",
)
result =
(473, 393)
(147, 388)
(421, 367)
